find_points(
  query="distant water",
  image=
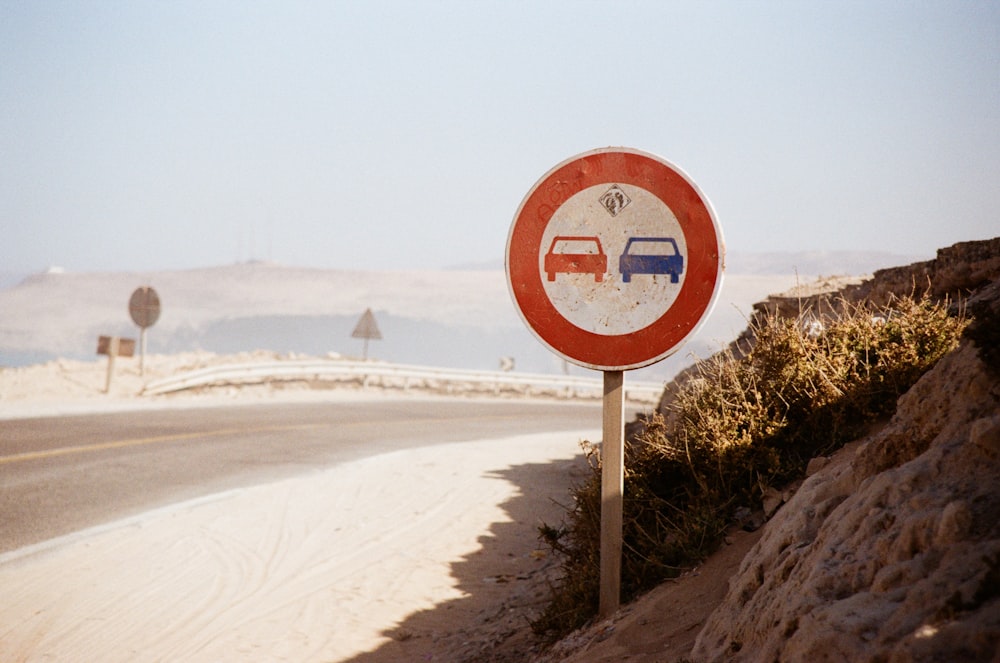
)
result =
(10, 279)
(10, 359)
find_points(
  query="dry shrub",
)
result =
(805, 388)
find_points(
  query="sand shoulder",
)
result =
(375, 560)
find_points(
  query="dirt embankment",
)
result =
(889, 551)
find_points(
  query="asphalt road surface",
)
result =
(62, 474)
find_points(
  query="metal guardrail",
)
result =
(402, 376)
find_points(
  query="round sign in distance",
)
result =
(614, 259)
(144, 307)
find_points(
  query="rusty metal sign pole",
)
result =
(612, 491)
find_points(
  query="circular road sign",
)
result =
(614, 259)
(144, 307)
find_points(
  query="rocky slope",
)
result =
(892, 556)
(889, 551)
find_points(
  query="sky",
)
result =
(138, 135)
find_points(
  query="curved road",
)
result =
(60, 475)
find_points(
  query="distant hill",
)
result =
(454, 318)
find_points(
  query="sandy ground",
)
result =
(319, 568)
(423, 555)
(403, 556)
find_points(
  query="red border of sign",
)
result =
(705, 262)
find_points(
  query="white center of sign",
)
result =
(613, 259)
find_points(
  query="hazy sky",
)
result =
(165, 135)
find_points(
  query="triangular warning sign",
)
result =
(366, 327)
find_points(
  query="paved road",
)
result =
(60, 475)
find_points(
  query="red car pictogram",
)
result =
(576, 255)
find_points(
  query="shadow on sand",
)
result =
(504, 582)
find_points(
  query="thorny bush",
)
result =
(742, 425)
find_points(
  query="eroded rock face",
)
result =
(893, 556)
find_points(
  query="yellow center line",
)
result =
(139, 441)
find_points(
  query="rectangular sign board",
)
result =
(126, 346)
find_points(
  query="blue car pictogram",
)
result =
(651, 255)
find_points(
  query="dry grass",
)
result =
(745, 424)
